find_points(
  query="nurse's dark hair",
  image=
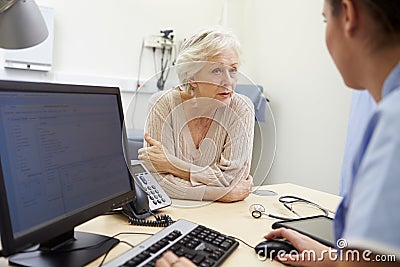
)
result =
(386, 14)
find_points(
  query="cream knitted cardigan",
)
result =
(220, 159)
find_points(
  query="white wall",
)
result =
(283, 45)
(104, 38)
(285, 52)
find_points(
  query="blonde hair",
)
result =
(201, 47)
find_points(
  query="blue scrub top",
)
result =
(361, 107)
(368, 216)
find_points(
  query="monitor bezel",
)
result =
(11, 244)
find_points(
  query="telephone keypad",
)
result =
(154, 193)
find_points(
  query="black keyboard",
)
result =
(203, 246)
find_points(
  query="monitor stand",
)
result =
(85, 248)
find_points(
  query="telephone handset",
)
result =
(149, 194)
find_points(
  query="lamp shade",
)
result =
(21, 25)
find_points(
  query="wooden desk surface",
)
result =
(228, 218)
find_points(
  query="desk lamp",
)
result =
(21, 24)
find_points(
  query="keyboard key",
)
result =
(208, 239)
(192, 244)
(216, 242)
(180, 252)
(208, 262)
(138, 259)
(209, 250)
(214, 256)
(174, 235)
(154, 248)
(196, 260)
(226, 245)
(190, 255)
(175, 247)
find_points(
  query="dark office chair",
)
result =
(264, 132)
(255, 93)
(135, 142)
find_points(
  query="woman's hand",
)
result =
(157, 160)
(154, 156)
(238, 191)
(305, 244)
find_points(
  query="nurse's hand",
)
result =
(311, 252)
(169, 259)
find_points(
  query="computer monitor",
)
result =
(62, 164)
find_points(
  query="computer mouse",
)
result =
(272, 247)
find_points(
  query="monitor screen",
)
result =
(62, 163)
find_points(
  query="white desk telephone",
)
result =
(149, 194)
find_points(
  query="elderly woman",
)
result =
(199, 134)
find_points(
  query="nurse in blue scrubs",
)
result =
(363, 38)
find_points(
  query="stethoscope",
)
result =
(257, 210)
